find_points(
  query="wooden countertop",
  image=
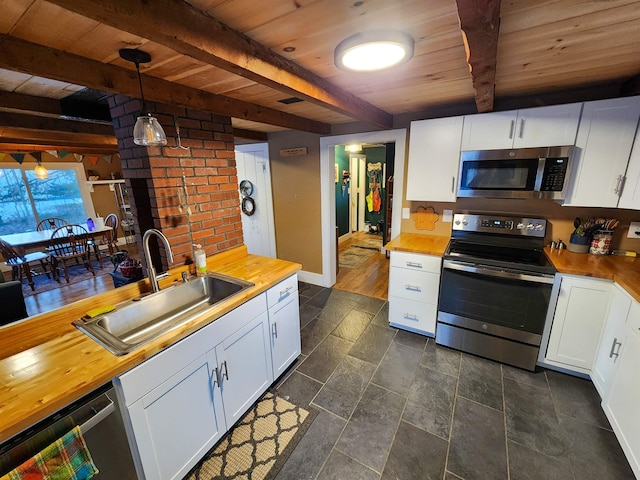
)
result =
(46, 363)
(623, 270)
(419, 243)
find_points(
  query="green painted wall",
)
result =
(342, 192)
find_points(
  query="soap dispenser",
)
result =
(201, 260)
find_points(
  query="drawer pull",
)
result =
(414, 265)
(615, 351)
(408, 316)
(275, 330)
(413, 288)
(285, 293)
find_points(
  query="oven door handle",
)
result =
(497, 272)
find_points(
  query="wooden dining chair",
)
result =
(109, 239)
(51, 223)
(21, 264)
(70, 242)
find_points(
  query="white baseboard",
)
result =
(312, 278)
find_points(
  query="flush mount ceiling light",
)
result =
(372, 51)
(147, 130)
(353, 148)
(40, 172)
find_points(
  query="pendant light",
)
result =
(147, 131)
(40, 172)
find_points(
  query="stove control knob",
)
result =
(539, 226)
(530, 226)
(465, 222)
(457, 222)
(520, 226)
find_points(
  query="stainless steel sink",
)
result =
(137, 322)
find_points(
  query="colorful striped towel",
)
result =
(65, 459)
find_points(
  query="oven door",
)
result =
(509, 304)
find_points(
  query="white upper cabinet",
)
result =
(604, 141)
(434, 159)
(532, 127)
(630, 197)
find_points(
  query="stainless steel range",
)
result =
(496, 288)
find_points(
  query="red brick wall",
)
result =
(154, 178)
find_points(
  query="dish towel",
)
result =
(65, 459)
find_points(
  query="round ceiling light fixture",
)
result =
(373, 51)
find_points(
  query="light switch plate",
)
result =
(447, 216)
(406, 213)
(634, 230)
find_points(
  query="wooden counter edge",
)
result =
(419, 243)
(225, 262)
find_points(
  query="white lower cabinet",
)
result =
(611, 341)
(180, 402)
(621, 401)
(414, 281)
(284, 324)
(577, 322)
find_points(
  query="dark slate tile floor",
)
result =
(395, 406)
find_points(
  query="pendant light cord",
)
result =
(143, 111)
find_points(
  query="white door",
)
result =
(356, 212)
(252, 163)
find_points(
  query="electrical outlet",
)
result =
(634, 230)
(406, 213)
(447, 216)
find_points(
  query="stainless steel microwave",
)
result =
(517, 173)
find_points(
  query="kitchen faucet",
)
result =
(151, 271)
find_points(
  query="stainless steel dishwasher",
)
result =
(99, 418)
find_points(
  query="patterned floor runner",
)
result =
(258, 445)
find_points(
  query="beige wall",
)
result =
(296, 199)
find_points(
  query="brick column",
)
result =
(154, 178)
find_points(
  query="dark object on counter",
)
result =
(579, 243)
(12, 301)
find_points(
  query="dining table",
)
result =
(28, 241)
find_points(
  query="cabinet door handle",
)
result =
(285, 293)
(511, 129)
(619, 185)
(216, 377)
(521, 134)
(615, 351)
(225, 375)
(414, 265)
(413, 288)
(453, 184)
(274, 329)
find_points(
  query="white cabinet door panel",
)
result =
(434, 159)
(284, 324)
(578, 321)
(177, 422)
(612, 339)
(244, 361)
(547, 126)
(489, 131)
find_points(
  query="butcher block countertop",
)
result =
(46, 363)
(625, 271)
(419, 243)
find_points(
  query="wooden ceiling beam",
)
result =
(34, 59)
(480, 26)
(25, 139)
(250, 134)
(36, 122)
(181, 27)
(30, 103)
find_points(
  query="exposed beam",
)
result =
(25, 139)
(33, 59)
(179, 26)
(30, 103)
(250, 134)
(480, 25)
(35, 122)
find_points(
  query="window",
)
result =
(25, 200)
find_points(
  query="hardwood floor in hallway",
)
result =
(371, 278)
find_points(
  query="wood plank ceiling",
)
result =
(241, 58)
